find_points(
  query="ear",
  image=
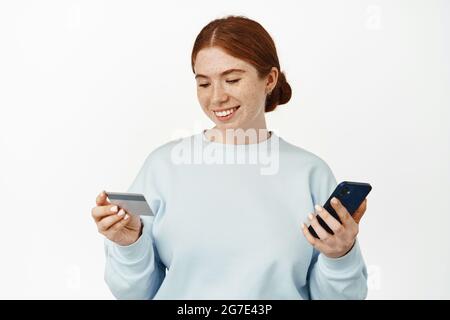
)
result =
(272, 79)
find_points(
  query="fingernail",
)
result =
(317, 207)
(126, 217)
(121, 213)
(334, 200)
(303, 226)
(310, 216)
(114, 209)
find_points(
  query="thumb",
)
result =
(360, 211)
(102, 200)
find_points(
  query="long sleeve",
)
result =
(211, 219)
(339, 278)
(135, 271)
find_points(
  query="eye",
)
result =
(228, 81)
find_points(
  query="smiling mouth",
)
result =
(226, 114)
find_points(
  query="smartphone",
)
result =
(351, 195)
(132, 202)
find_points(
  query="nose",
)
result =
(219, 95)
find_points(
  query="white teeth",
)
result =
(225, 113)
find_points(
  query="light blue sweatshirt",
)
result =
(231, 230)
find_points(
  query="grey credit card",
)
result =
(132, 202)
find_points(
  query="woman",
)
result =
(228, 229)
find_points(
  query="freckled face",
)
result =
(220, 89)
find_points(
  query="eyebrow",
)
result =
(222, 74)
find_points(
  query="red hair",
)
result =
(247, 40)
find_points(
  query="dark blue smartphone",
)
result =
(351, 195)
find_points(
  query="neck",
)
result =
(253, 132)
(237, 136)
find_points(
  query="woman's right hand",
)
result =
(121, 227)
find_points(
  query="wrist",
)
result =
(351, 247)
(340, 255)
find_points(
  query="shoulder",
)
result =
(298, 156)
(163, 155)
(309, 166)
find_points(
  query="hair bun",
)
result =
(281, 94)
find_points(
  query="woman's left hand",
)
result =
(339, 244)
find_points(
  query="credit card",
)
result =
(132, 202)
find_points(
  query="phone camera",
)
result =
(345, 191)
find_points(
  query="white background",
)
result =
(89, 88)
